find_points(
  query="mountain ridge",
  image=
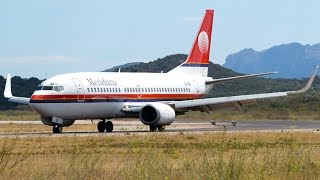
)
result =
(292, 60)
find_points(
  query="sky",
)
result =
(45, 38)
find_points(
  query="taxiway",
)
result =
(135, 127)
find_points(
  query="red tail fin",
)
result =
(201, 47)
(198, 59)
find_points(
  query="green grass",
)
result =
(19, 115)
(158, 156)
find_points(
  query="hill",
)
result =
(291, 60)
(116, 68)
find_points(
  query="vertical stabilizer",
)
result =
(198, 60)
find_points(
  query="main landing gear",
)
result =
(154, 128)
(57, 129)
(105, 126)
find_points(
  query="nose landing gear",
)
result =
(105, 126)
(57, 129)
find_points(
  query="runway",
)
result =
(135, 127)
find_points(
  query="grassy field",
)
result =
(19, 115)
(158, 156)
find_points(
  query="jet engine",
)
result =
(52, 121)
(157, 114)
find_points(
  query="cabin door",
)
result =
(80, 89)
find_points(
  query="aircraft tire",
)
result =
(101, 126)
(153, 128)
(161, 128)
(109, 126)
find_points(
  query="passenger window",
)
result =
(88, 89)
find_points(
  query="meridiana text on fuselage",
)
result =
(101, 82)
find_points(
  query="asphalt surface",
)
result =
(135, 127)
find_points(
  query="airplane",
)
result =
(155, 98)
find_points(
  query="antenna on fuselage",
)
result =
(119, 70)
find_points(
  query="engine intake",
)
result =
(157, 114)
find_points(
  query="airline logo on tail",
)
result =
(200, 52)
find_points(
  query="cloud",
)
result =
(43, 60)
(192, 18)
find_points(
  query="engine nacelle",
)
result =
(51, 121)
(157, 114)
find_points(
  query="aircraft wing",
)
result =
(8, 94)
(209, 104)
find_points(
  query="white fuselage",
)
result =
(103, 95)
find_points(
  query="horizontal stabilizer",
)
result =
(238, 77)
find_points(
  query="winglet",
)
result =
(7, 91)
(308, 85)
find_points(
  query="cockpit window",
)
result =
(58, 88)
(39, 88)
(55, 88)
(50, 88)
(47, 88)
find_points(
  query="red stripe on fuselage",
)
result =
(116, 96)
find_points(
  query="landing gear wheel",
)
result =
(109, 126)
(101, 126)
(153, 128)
(57, 129)
(161, 128)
